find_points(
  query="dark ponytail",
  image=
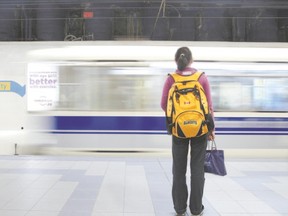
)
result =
(183, 58)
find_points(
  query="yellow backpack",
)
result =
(187, 107)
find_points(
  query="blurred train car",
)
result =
(73, 97)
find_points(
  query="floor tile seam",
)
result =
(83, 199)
(34, 171)
(206, 195)
(9, 209)
(43, 195)
(6, 203)
(156, 200)
(228, 212)
(61, 175)
(72, 198)
(262, 187)
(261, 211)
(149, 188)
(164, 171)
(78, 187)
(124, 189)
(30, 212)
(126, 198)
(22, 192)
(103, 189)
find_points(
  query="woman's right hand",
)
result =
(211, 135)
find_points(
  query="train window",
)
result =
(249, 94)
(110, 88)
(271, 94)
(139, 88)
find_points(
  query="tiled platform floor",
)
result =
(133, 185)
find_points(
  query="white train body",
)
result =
(105, 96)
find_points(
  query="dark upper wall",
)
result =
(205, 20)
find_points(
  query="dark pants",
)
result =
(180, 149)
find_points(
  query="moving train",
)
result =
(104, 96)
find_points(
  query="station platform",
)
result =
(134, 185)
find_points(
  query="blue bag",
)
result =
(214, 161)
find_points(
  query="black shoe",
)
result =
(182, 214)
(201, 213)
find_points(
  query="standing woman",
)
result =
(180, 146)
